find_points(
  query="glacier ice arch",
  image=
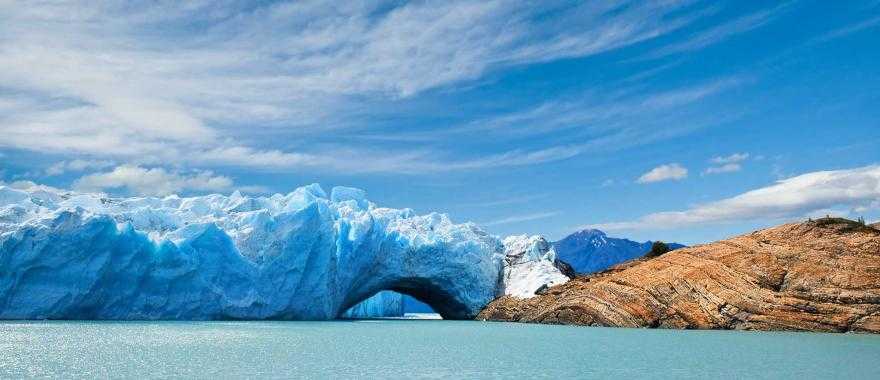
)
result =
(439, 300)
(390, 304)
(304, 255)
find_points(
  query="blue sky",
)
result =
(676, 120)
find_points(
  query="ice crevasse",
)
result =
(303, 255)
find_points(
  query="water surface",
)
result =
(421, 349)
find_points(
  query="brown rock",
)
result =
(821, 275)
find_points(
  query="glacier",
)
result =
(305, 255)
(381, 305)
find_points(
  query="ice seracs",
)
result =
(303, 255)
(530, 264)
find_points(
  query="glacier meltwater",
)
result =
(303, 255)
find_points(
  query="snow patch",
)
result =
(529, 266)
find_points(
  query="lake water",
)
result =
(421, 349)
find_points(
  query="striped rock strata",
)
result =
(819, 275)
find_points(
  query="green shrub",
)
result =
(657, 249)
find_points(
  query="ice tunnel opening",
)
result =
(391, 304)
(415, 296)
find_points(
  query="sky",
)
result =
(684, 121)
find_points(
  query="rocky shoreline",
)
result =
(821, 275)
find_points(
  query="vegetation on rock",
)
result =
(657, 249)
(813, 276)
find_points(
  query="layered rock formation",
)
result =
(820, 275)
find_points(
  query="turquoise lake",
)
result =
(421, 349)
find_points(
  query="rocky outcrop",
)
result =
(820, 275)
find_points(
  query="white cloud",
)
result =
(726, 168)
(720, 32)
(794, 197)
(152, 181)
(666, 172)
(598, 112)
(93, 81)
(600, 123)
(77, 165)
(847, 30)
(522, 218)
(731, 159)
(728, 164)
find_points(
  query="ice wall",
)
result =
(303, 255)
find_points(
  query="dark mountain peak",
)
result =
(586, 235)
(591, 250)
(589, 232)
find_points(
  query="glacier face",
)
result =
(303, 255)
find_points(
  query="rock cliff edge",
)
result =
(821, 275)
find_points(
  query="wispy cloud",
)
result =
(728, 164)
(731, 159)
(522, 218)
(847, 30)
(720, 32)
(668, 172)
(725, 168)
(150, 84)
(598, 112)
(595, 124)
(794, 197)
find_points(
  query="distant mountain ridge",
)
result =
(591, 250)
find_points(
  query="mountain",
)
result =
(813, 276)
(590, 250)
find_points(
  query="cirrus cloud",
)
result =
(97, 79)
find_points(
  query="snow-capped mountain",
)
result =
(591, 250)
